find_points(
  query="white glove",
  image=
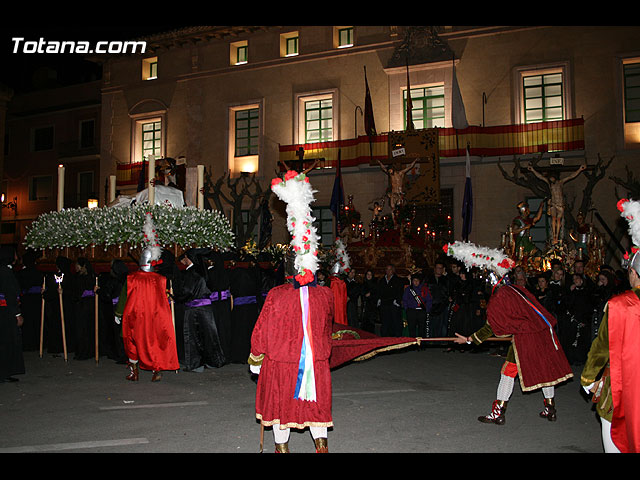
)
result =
(255, 369)
(118, 319)
(395, 302)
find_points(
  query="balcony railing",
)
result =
(522, 139)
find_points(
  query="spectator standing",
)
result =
(391, 288)
(438, 285)
(416, 301)
(369, 295)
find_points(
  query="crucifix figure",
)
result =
(298, 164)
(556, 204)
(396, 196)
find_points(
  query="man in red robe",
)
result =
(294, 328)
(148, 332)
(535, 354)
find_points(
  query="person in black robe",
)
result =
(168, 268)
(354, 290)
(85, 321)
(574, 321)
(110, 334)
(53, 321)
(390, 290)
(245, 289)
(369, 295)
(11, 357)
(218, 283)
(30, 280)
(201, 341)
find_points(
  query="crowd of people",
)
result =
(441, 302)
(450, 298)
(213, 307)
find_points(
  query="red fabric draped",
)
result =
(539, 356)
(355, 343)
(278, 335)
(624, 357)
(147, 328)
(339, 289)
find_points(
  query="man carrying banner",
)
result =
(535, 354)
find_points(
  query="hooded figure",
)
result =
(84, 310)
(201, 341)
(11, 358)
(143, 308)
(218, 282)
(30, 279)
(109, 287)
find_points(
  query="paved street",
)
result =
(420, 400)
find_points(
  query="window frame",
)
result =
(33, 138)
(426, 119)
(300, 126)
(525, 71)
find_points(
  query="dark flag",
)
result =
(467, 202)
(369, 122)
(337, 196)
(409, 104)
(142, 178)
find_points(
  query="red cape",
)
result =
(350, 343)
(147, 327)
(539, 356)
(624, 357)
(339, 289)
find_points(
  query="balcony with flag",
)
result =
(496, 141)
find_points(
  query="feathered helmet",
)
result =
(492, 259)
(295, 190)
(343, 261)
(630, 210)
(152, 251)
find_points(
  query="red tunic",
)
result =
(624, 357)
(339, 289)
(278, 336)
(539, 356)
(147, 328)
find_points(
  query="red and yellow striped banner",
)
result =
(561, 135)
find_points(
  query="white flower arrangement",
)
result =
(478, 256)
(106, 226)
(295, 190)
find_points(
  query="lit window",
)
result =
(345, 37)
(318, 121)
(247, 132)
(542, 96)
(150, 68)
(152, 139)
(292, 46)
(239, 53)
(428, 107)
(631, 92)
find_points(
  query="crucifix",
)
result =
(298, 165)
(556, 203)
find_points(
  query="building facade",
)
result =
(236, 99)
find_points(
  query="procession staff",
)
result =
(64, 334)
(42, 316)
(96, 318)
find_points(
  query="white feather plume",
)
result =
(630, 210)
(297, 193)
(151, 237)
(342, 256)
(473, 255)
